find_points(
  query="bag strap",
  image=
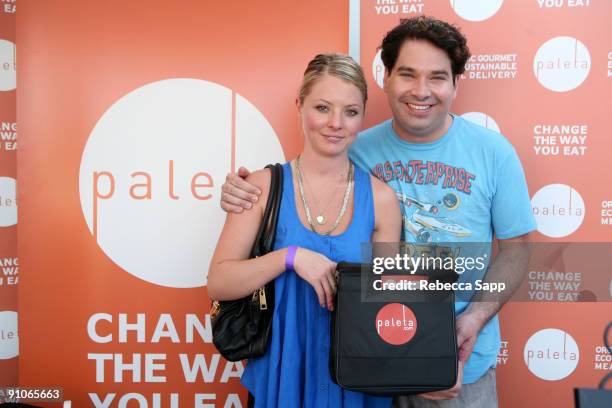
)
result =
(607, 377)
(266, 234)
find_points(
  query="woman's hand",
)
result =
(320, 272)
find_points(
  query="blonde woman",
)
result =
(329, 207)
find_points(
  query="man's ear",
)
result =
(456, 85)
(385, 80)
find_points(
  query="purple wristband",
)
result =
(290, 257)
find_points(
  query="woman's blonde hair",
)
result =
(338, 65)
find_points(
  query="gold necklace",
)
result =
(347, 193)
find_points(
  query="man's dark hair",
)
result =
(441, 34)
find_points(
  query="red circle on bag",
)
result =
(396, 324)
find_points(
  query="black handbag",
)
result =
(391, 346)
(241, 328)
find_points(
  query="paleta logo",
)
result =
(8, 201)
(476, 10)
(378, 69)
(150, 172)
(9, 339)
(562, 64)
(558, 210)
(482, 119)
(551, 354)
(396, 324)
(8, 66)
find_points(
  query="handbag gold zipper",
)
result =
(214, 311)
(263, 304)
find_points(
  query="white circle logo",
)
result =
(482, 119)
(558, 210)
(562, 64)
(551, 354)
(9, 339)
(476, 10)
(8, 71)
(8, 201)
(378, 69)
(152, 170)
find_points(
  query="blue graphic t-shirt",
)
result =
(464, 187)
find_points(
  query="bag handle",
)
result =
(267, 230)
(607, 377)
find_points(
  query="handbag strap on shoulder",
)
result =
(264, 240)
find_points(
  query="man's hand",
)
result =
(509, 267)
(451, 393)
(237, 194)
(469, 325)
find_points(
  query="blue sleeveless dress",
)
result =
(295, 370)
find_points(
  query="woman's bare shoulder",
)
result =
(261, 179)
(383, 194)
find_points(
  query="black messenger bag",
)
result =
(393, 344)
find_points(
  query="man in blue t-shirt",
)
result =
(457, 182)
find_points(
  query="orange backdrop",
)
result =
(132, 112)
(79, 59)
(9, 269)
